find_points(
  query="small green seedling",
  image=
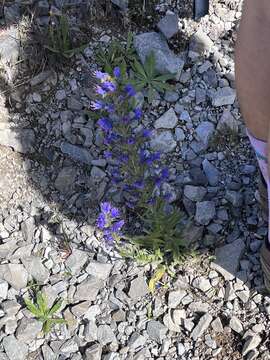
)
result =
(44, 314)
(60, 40)
(147, 77)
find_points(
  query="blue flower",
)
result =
(117, 226)
(139, 184)
(109, 86)
(165, 173)
(101, 221)
(101, 75)
(104, 124)
(110, 108)
(129, 89)
(108, 236)
(117, 72)
(100, 91)
(106, 207)
(123, 158)
(138, 113)
(115, 213)
(131, 140)
(97, 105)
(107, 154)
(146, 133)
(152, 158)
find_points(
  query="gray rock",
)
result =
(76, 261)
(70, 346)
(36, 269)
(167, 121)
(166, 60)
(168, 25)
(194, 193)
(200, 42)
(211, 172)
(15, 350)
(179, 134)
(163, 142)
(28, 229)
(105, 335)
(3, 356)
(234, 197)
(251, 343)
(236, 325)
(74, 104)
(201, 327)
(28, 330)
(42, 8)
(175, 297)
(99, 270)
(15, 275)
(12, 13)
(94, 352)
(205, 131)
(200, 95)
(47, 352)
(217, 325)
(224, 96)
(9, 45)
(40, 78)
(168, 322)
(77, 153)
(122, 4)
(156, 331)
(88, 289)
(97, 174)
(138, 288)
(205, 212)
(136, 341)
(227, 121)
(171, 96)
(226, 264)
(60, 95)
(20, 140)
(65, 180)
(3, 289)
(192, 233)
(202, 283)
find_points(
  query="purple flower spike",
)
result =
(138, 113)
(101, 221)
(146, 133)
(108, 236)
(106, 207)
(107, 154)
(165, 173)
(115, 213)
(131, 141)
(117, 72)
(109, 86)
(100, 91)
(104, 124)
(101, 75)
(129, 89)
(97, 105)
(117, 226)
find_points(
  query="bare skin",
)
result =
(253, 67)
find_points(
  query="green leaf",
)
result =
(150, 64)
(32, 308)
(42, 303)
(55, 307)
(165, 77)
(138, 68)
(58, 321)
(47, 326)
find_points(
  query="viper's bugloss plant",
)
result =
(136, 170)
(110, 223)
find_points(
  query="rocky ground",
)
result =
(53, 177)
